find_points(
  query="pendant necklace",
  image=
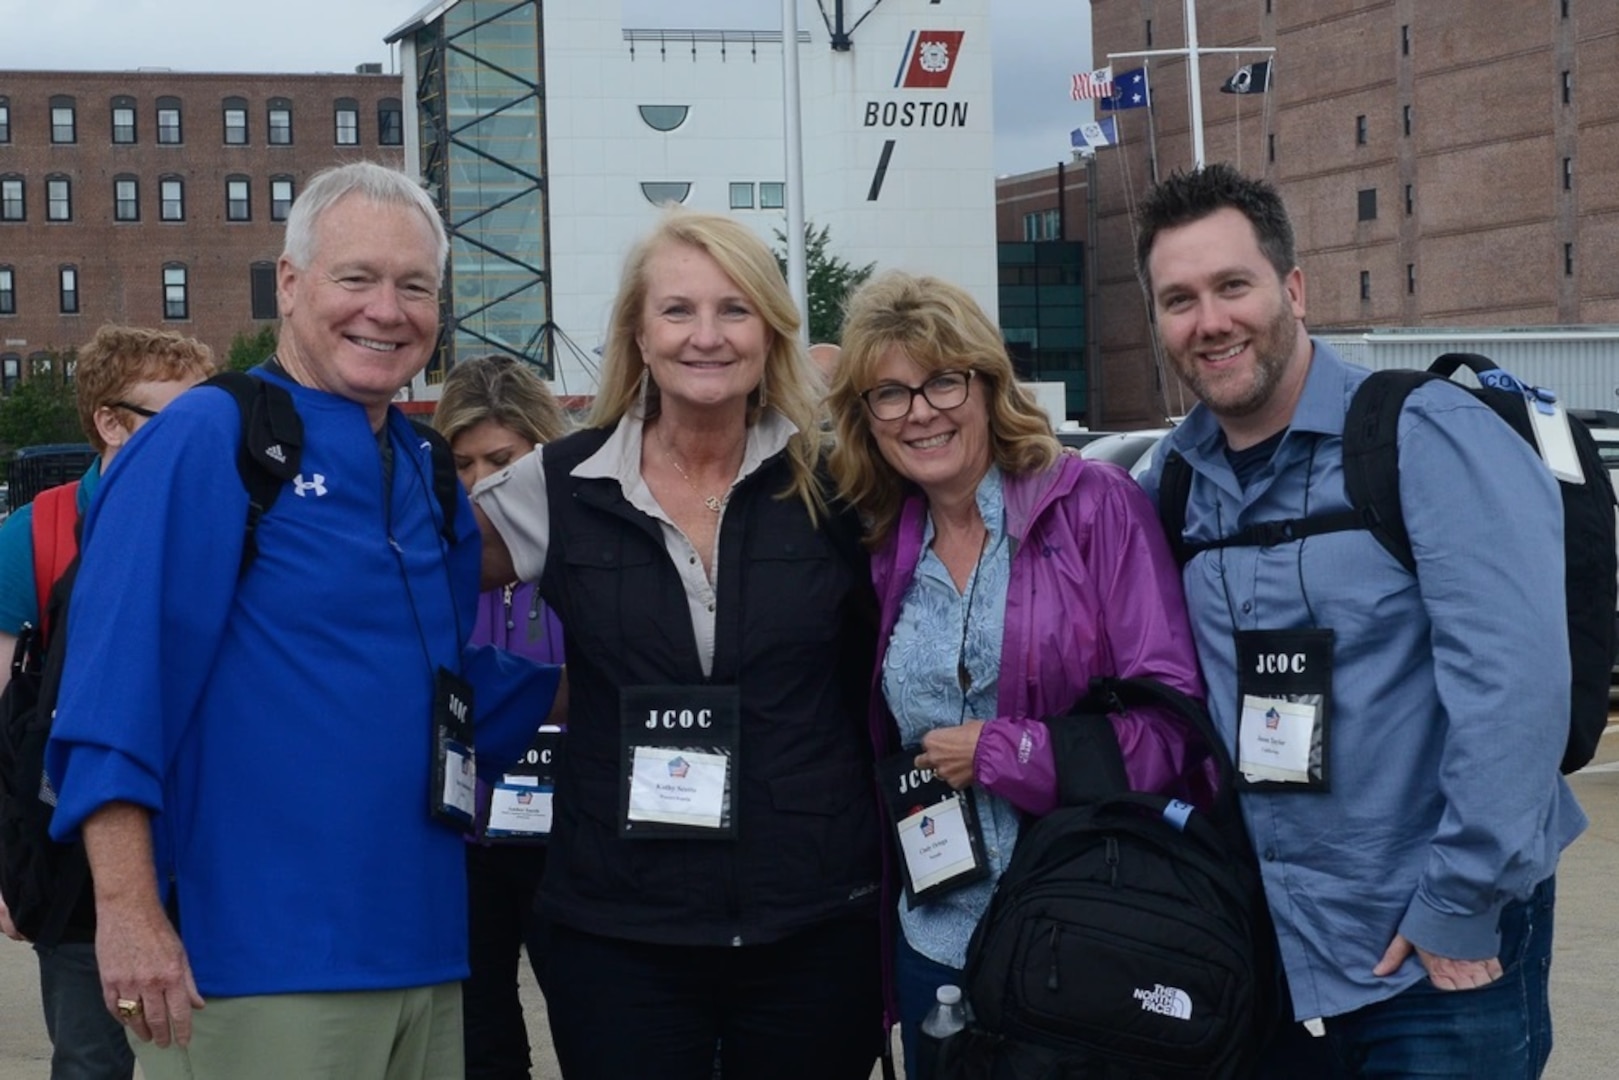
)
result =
(713, 502)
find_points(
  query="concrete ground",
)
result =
(1583, 967)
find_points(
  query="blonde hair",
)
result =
(940, 327)
(118, 357)
(501, 389)
(788, 384)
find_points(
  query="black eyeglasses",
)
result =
(138, 410)
(892, 400)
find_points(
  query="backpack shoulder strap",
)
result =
(1372, 456)
(445, 481)
(1174, 489)
(56, 542)
(270, 449)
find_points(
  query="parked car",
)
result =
(35, 468)
(1129, 450)
(1604, 426)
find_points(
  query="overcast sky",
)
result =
(1038, 44)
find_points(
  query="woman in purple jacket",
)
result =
(1009, 574)
(494, 410)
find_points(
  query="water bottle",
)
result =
(947, 1017)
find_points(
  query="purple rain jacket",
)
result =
(1094, 590)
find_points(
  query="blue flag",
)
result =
(1105, 132)
(1129, 90)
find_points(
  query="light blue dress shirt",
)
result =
(940, 627)
(1450, 689)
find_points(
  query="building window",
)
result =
(346, 117)
(664, 117)
(390, 122)
(123, 120)
(772, 195)
(1042, 225)
(11, 364)
(1360, 130)
(5, 120)
(1565, 9)
(1365, 284)
(659, 192)
(176, 302)
(741, 196)
(1270, 147)
(58, 199)
(279, 122)
(1366, 205)
(1568, 174)
(1568, 88)
(64, 126)
(1149, 33)
(67, 290)
(172, 194)
(1405, 40)
(280, 197)
(168, 121)
(1405, 118)
(12, 205)
(1411, 278)
(8, 291)
(1568, 260)
(237, 205)
(126, 203)
(1410, 200)
(235, 121)
(261, 286)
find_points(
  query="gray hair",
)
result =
(376, 183)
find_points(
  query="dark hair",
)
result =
(1186, 197)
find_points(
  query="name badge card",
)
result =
(679, 749)
(935, 828)
(452, 797)
(520, 806)
(1284, 695)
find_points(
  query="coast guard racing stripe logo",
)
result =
(930, 58)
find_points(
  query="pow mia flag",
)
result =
(1249, 79)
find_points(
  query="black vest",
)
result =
(795, 631)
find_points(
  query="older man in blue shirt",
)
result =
(1399, 734)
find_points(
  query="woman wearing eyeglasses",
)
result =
(1009, 575)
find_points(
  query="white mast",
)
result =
(1192, 52)
(797, 275)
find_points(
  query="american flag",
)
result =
(1089, 85)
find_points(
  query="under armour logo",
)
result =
(317, 484)
(275, 453)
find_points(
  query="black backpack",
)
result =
(1372, 483)
(43, 882)
(1128, 937)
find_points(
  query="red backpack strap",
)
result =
(56, 541)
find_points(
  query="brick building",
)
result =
(157, 198)
(1446, 165)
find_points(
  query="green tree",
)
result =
(250, 347)
(828, 280)
(41, 409)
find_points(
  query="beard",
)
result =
(1245, 391)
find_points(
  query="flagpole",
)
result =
(1194, 83)
(797, 275)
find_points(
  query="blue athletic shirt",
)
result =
(279, 726)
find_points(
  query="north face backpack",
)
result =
(41, 880)
(1128, 938)
(1372, 483)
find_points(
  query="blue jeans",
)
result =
(916, 983)
(86, 1042)
(1498, 1032)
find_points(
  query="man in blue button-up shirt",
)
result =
(1409, 844)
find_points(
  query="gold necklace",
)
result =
(713, 502)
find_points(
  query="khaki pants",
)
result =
(412, 1034)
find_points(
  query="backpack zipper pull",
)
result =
(1113, 862)
(1053, 983)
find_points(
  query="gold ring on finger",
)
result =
(129, 1008)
